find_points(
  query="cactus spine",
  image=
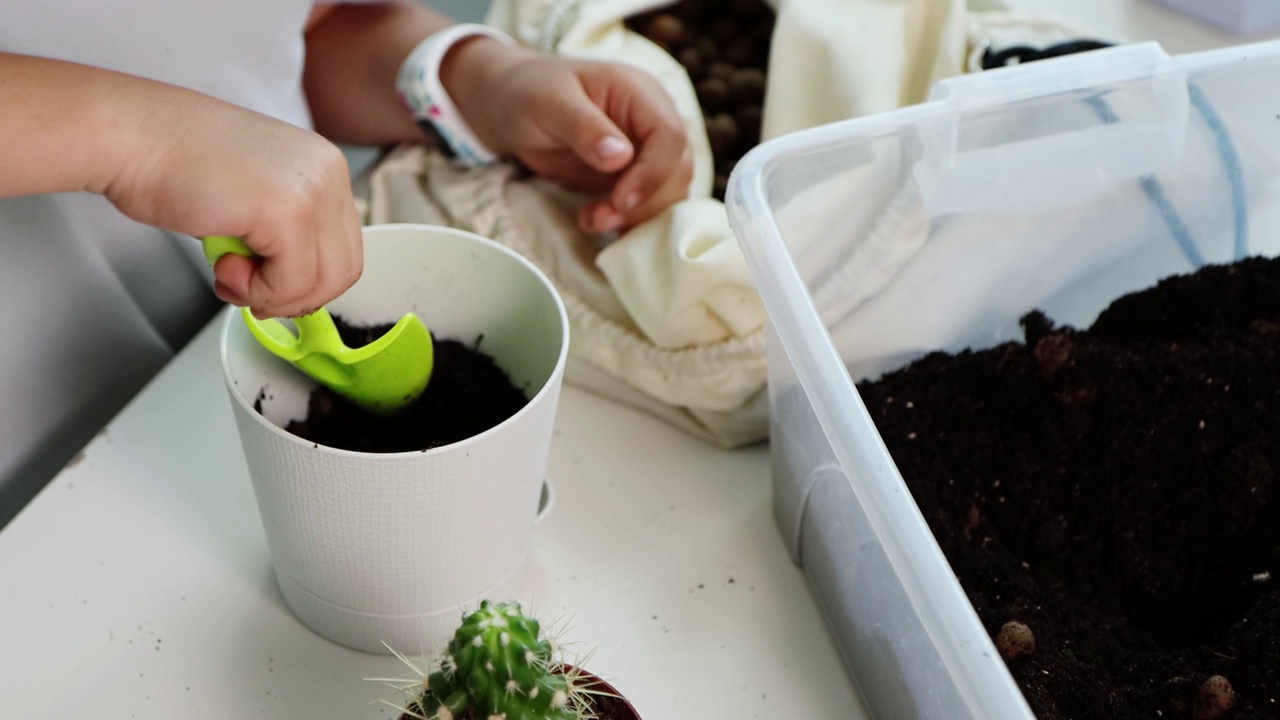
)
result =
(499, 668)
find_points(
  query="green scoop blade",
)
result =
(384, 376)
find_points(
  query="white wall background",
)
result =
(461, 10)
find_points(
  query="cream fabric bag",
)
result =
(666, 318)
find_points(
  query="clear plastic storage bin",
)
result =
(1057, 185)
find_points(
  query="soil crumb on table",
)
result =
(1114, 491)
(468, 394)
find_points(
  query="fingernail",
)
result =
(611, 147)
(630, 201)
(610, 221)
(227, 295)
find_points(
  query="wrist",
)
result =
(65, 128)
(143, 122)
(126, 117)
(469, 73)
(110, 132)
(457, 59)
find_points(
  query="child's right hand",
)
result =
(204, 167)
(183, 161)
(209, 168)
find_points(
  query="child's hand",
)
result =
(203, 167)
(588, 125)
(186, 162)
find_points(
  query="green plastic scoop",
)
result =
(382, 377)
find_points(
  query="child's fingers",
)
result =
(601, 217)
(567, 169)
(659, 177)
(625, 132)
(232, 275)
(639, 195)
(659, 174)
(588, 132)
(308, 248)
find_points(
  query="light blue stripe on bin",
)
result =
(1231, 165)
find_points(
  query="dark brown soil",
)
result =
(612, 708)
(1114, 490)
(605, 707)
(468, 394)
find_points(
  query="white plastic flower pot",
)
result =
(384, 548)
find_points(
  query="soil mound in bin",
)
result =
(1115, 491)
(468, 394)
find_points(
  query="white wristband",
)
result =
(419, 87)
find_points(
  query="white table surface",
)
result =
(137, 585)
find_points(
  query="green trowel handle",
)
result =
(215, 246)
(316, 331)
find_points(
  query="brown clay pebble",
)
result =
(722, 70)
(724, 30)
(1015, 640)
(707, 48)
(1215, 699)
(741, 51)
(664, 29)
(690, 12)
(749, 9)
(691, 59)
(713, 93)
(728, 126)
(1052, 352)
(747, 86)
(749, 121)
(722, 134)
(716, 139)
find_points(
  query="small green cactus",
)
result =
(499, 666)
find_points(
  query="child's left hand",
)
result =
(588, 125)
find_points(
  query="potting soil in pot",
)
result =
(608, 707)
(468, 394)
(1113, 492)
(724, 46)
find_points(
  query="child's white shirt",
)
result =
(93, 303)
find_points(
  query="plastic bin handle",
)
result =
(1048, 134)
(1094, 69)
